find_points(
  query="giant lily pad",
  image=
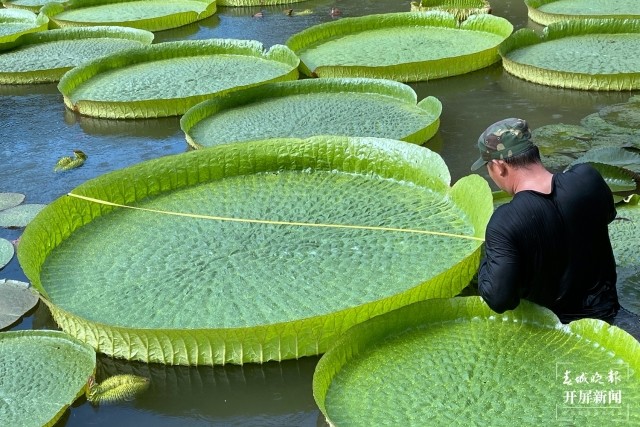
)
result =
(167, 79)
(546, 12)
(46, 56)
(461, 9)
(14, 23)
(400, 46)
(351, 107)
(590, 54)
(249, 3)
(624, 232)
(151, 15)
(31, 5)
(43, 372)
(256, 251)
(455, 362)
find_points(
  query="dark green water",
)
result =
(36, 130)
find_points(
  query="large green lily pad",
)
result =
(46, 56)
(400, 46)
(194, 288)
(455, 362)
(167, 79)
(546, 12)
(590, 54)
(41, 374)
(251, 3)
(14, 23)
(461, 9)
(151, 15)
(303, 108)
(31, 5)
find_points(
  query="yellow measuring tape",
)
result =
(265, 221)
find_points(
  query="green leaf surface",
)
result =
(19, 216)
(14, 23)
(169, 78)
(613, 156)
(546, 12)
(590, 54)
(624, 233)
(461, 9)
(625, 115)
(41, 374)
(46, 56)
(200, 290)
(31, 5)
(400, 46)
(6, 252)
(627, 135)
(303, 108)
(455, 362)
(151, 15)
(16, 298)
(252, 3)
(619, 180)
(9, 200)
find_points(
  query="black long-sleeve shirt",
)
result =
(553, 249)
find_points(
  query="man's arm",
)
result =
(499, 272)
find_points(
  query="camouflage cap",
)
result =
(503, 139)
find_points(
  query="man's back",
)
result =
(554, 249)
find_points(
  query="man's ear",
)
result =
(503, 170)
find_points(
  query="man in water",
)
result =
(550, 244)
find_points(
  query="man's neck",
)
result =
(535, 177)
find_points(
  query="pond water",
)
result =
(36, 130)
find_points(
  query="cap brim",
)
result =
(478, 164)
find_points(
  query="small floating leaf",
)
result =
(16, 298)
(9, 200)
(302, 12)
(67, 163)
(19, 216)
(6, 252)
(116, 389)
